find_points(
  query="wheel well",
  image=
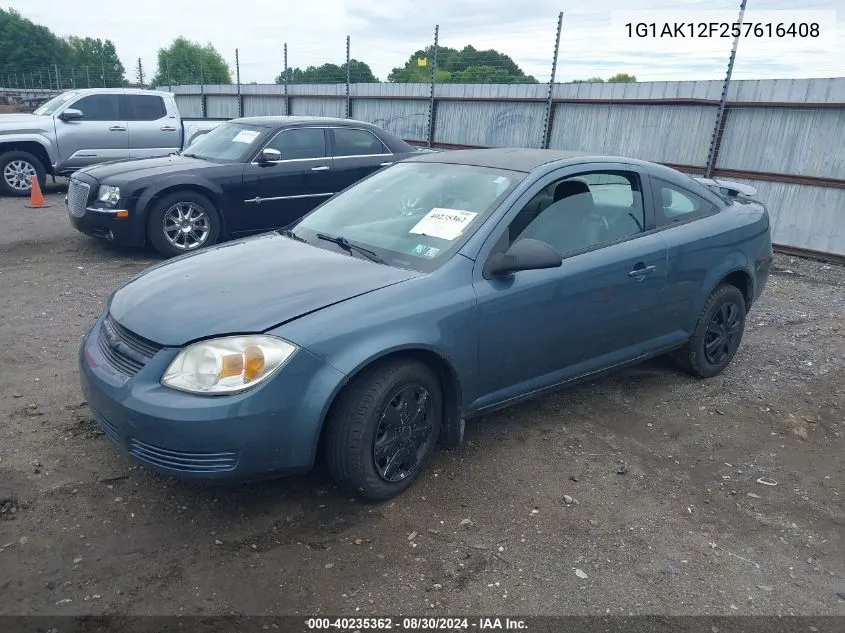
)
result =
(742, 281)
(203, 191)
(31, 147)
(449, 382)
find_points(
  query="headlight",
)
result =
(108, 194)
(227, 365)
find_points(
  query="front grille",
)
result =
(77, 197)
(183, 461)
(124, 350)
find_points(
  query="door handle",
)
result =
(117, 128)
(168, 128)
(641, 271)
(386, 164)
(320, 168)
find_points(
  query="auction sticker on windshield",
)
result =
(446, 224)
(245, 136)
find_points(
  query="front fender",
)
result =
(43, 140)
(160, 187)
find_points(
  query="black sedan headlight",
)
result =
(108, 194)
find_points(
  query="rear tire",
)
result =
(383, 429)
(183, 222)
(16, 171)
(717, 334)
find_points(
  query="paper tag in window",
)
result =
(245, 136)
(446, 224)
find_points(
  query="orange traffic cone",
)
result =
(36, 198)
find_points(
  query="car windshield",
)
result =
(54, 104)
(411, 215)
(226, 143)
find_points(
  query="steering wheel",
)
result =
(410, 206)
(605, 226)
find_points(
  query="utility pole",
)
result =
(348, 101)
(431, 103)
(140, 73)
(238, 78)
(719, 128)
(547, 126)
(287, 100)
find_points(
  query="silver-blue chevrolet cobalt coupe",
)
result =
(435, 290)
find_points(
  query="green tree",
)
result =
(468, 65)
(98, 60)
(618, 78)
(187, 62)
(359, 73)
(26, 47)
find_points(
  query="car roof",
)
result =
(525, 159)
(301, 120)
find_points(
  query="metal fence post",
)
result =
(547, 124)
(88, 76)
(58, 77)
(202, 93)
(238, 78)
(348, 103)
(103, 68)
(287, 98)
(431, 102)
(719, 127)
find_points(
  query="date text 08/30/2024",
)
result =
(416, 624)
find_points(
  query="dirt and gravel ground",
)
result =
(532, 517)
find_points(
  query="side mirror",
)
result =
(71, 115)
(523, 255)
(269, 155)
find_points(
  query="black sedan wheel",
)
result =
(717, 335)
(383, 429)
(182, 222)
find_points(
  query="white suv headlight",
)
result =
(227, 365)
(108, 194)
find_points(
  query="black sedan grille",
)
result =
(77, 197)
(124, 350)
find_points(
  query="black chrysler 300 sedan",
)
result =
(246, 176)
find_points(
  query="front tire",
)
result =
(16, 171)
(384, 428)
(183, 222)
(717, 334)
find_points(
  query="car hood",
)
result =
(127, 169)
(25, 123)
(247, 286)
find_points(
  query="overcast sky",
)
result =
(384, 33)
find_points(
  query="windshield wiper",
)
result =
(291, 235)
(349, 246)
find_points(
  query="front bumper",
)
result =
(121, 225)
(105, 224)
(270, 430)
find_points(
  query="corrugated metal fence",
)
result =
(784, 137)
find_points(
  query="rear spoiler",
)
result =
(729, 188)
